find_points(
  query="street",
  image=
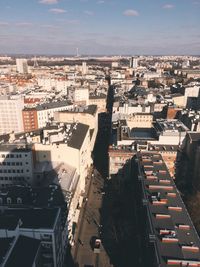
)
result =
(90, 227)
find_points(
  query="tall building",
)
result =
(133, 63)
(84, 68)
(22, 65)
(11, 114)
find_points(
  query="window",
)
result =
(9, 201)
(19, 200)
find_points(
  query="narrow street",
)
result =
(90, 228)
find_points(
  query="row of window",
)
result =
(12, 155)
(13, 171)
(5, 178)
(7, 163)
(9, 200)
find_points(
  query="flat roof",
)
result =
(24, 252)
(5, 244)
(46, 217)
(50, 105)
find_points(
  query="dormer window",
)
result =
(19, 200)
(9, 200)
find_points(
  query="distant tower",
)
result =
(133, 63)
(84, 68)
(35, 63)
(22, 65)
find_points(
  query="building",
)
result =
(11, 114)
(84, 114)
(170, 132)
(68, 143)
(22, 65)
(39, 116)
(99, 100)
(47, 228)
(81, 96)
(84, 68)
(167, 234)
(187, 165)
(16, 164)
(20, 251)
(133, 63)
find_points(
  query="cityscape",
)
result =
(99, 133)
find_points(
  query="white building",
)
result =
(49, 83)
(67, 143)
(22, 65)
(46, 111)
(81, 95)
(16, 165)
(84, 68)
(11, 114)
(133, 62)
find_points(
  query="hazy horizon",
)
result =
(100, 27)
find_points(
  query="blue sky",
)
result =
(120, 27)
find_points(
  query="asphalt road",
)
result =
(89, 227)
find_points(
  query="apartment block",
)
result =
(39, 116)
(11, 114)
(167, 234)
(47, 228)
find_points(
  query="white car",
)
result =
(97, 245)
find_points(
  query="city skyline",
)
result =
(100, 27)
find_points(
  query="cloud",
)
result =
(168, 6)
(100, 2)
(73, 21)
(48, 2)
(57, 10)
(89, 13)
(49, 26)
(196, 2)
(26, 24)
(131, 13)
(3, 23)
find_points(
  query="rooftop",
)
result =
(171, 230)
(50, 105)
(46, 218)
(24, 252)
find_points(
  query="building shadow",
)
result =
(119, 233)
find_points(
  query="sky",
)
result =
(100, 27)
